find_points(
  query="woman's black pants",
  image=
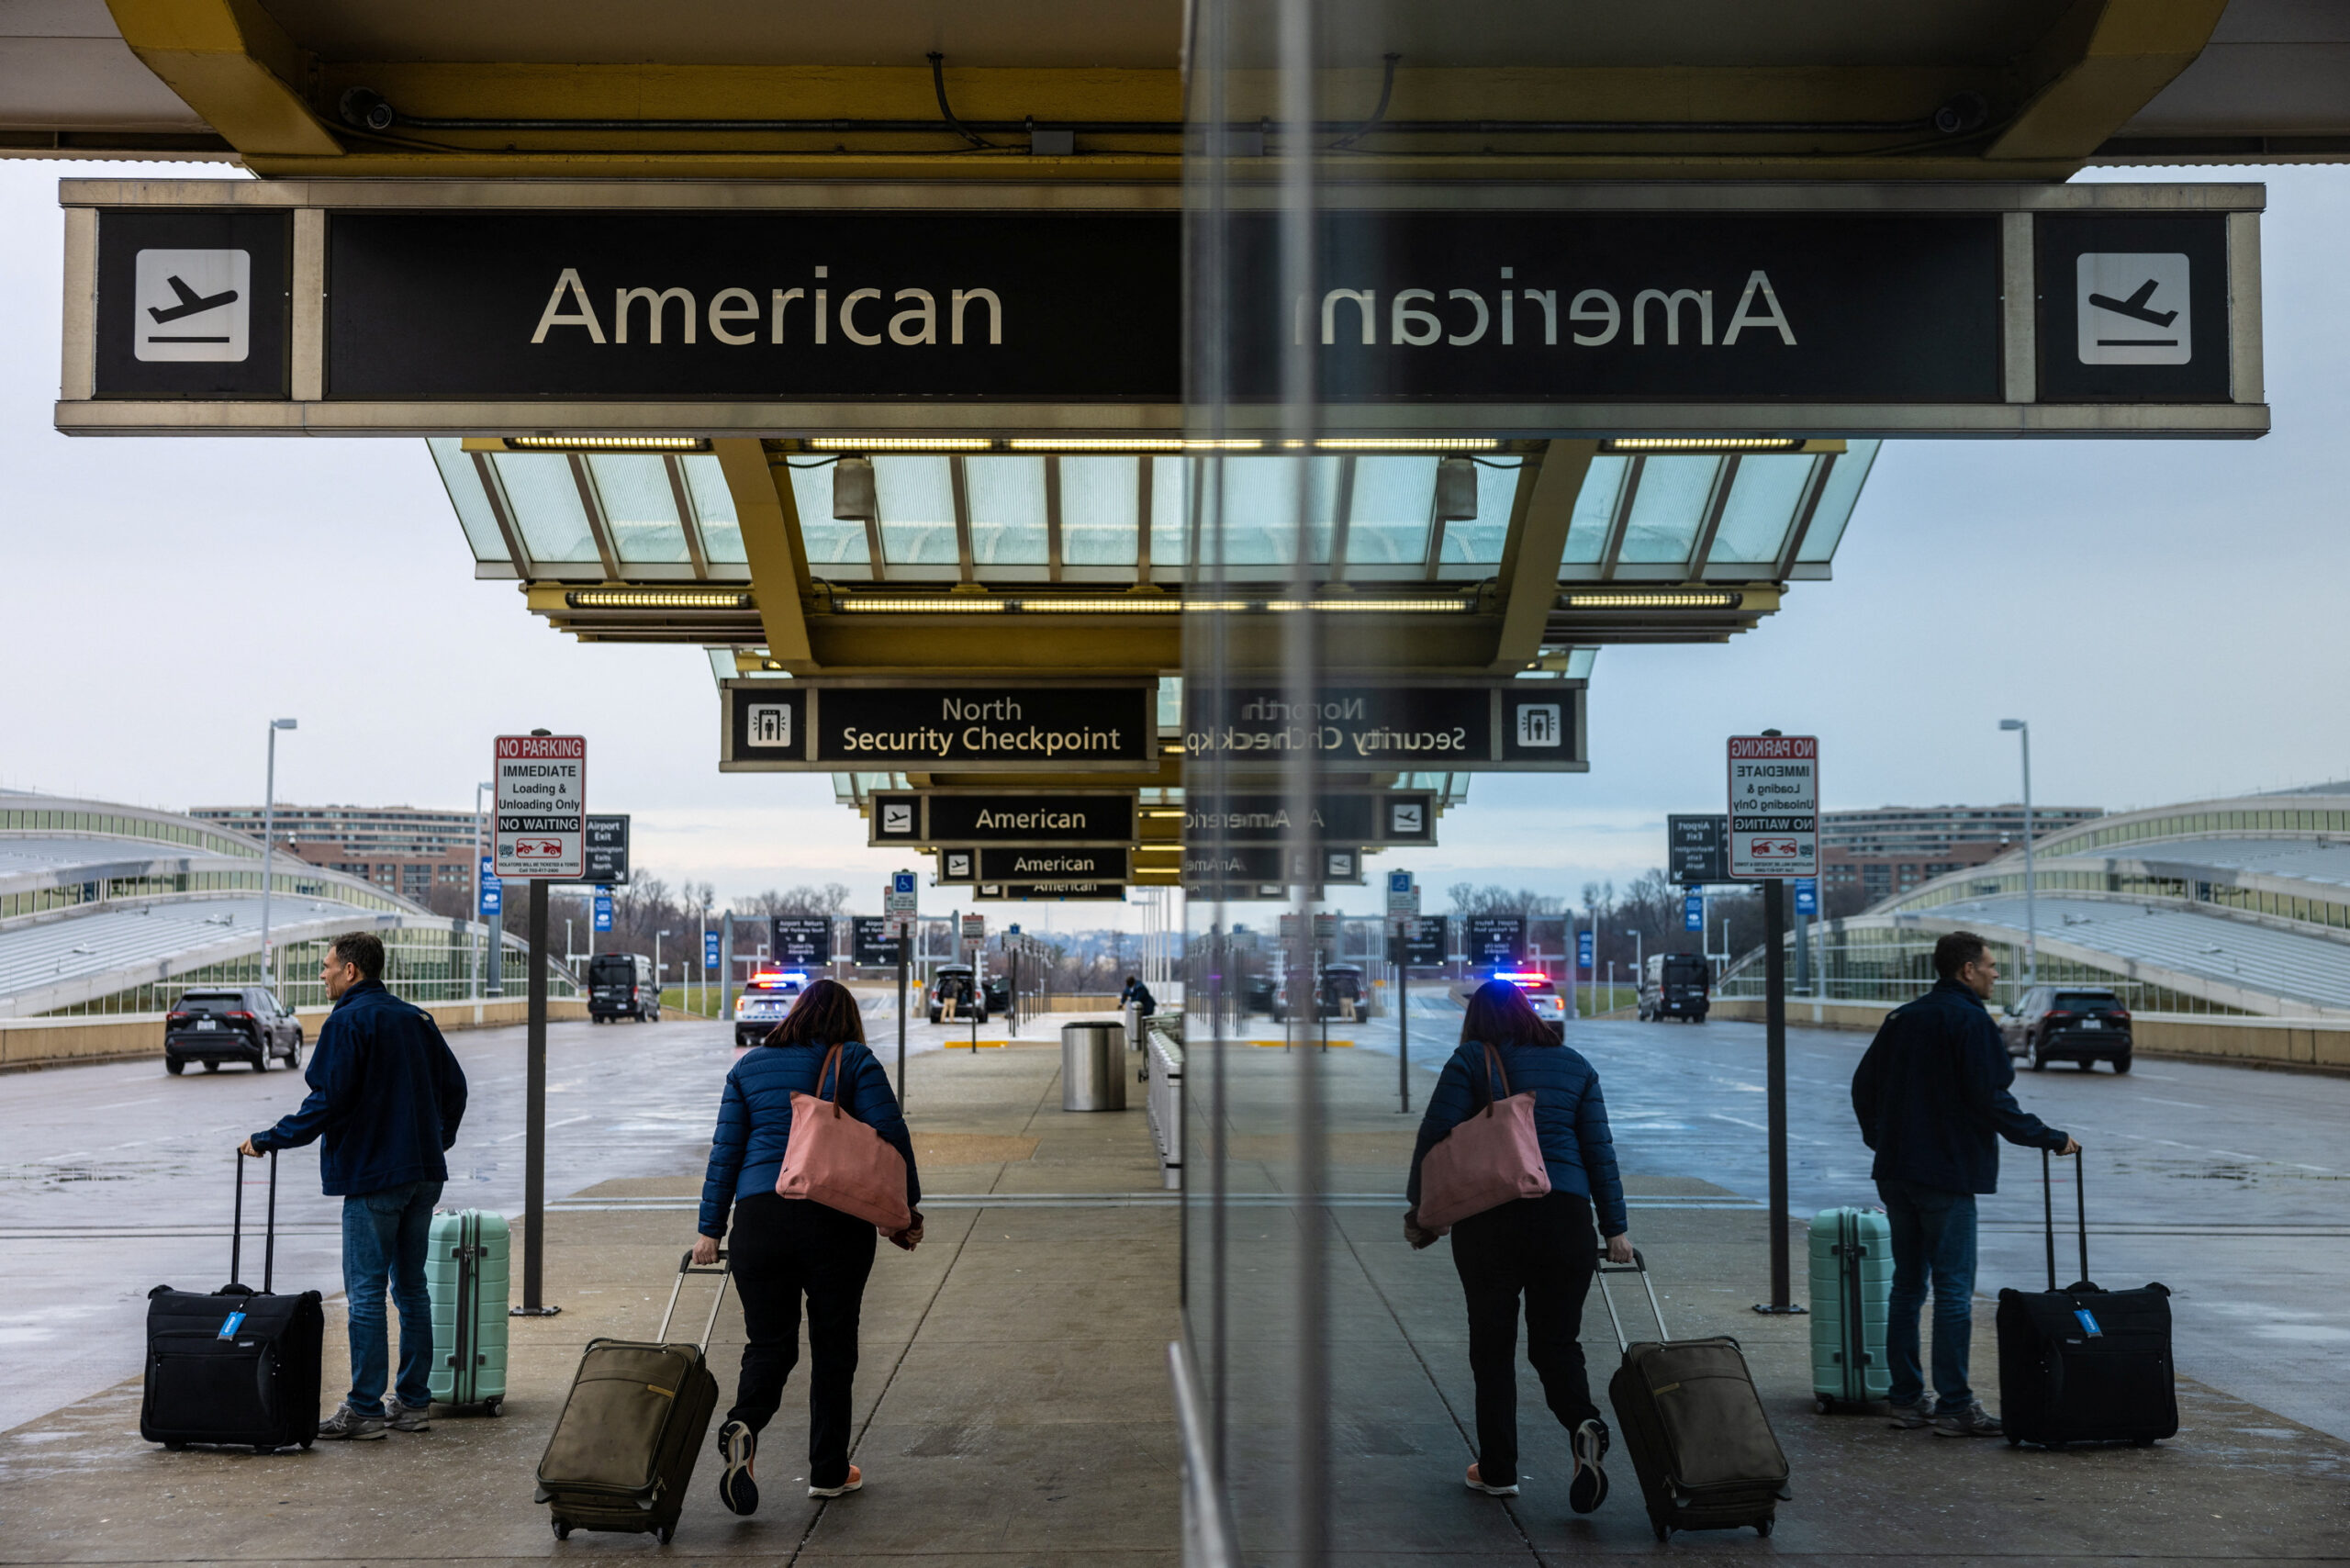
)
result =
(1546, 1249)
(781, 1248)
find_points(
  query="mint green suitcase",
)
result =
(465, 1271)
(1852, 1282)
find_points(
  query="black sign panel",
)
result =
(970, 727)
(194, 304)
(1493, 726)
(1700, 848)
(957, 867)
(1054, 864)
(1496, 940)
(1348, 816)
(1050, 892)
(800, 939)
(772, 305)
(1716, 307)
(607, 850)
(869, 943)
(1422, 947)
(1249, 864)
(1069, 818)
(2132, 309)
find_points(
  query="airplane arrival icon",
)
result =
(194, 304)
(2135, 308)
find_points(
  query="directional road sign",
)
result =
(1583, 949)
(607, 849)
(1693, 912)
(1496, 939)
(800, 938)
(871, 942)
(1773, 806)
(1700, 848)
(710, 950)
(603, 908)
(541, 806)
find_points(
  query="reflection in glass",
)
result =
(916, 498)
(1007, 500)
(1170, 510)
(1762, 501)
(546, 506)
(1388, 521)
(640, 509)
(721, 530)
(1099, 500)
(1259, 499)
(1596, 509)
(1477, 543)
(1667, 508)
(465, 494)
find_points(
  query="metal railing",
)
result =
(1163, 1060)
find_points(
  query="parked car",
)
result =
(2082, 1025)
(248, 1025)
(1673, 986)
(1260, 994)
(955, 980)
(996, 993)
(622, 985)
(1342, 994)
(767, 997)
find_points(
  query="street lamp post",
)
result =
(2031, 881)
(1639, 970)
(269, 842)
(656, 965)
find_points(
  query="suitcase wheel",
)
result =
(1661, 1533)
(494, 1407)
(171, 1447)
(561, 1529)
(1765, 1526)
(665, 1534)
(1827, 1406)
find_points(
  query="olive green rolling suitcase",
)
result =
(1852, 1284)
(466, 1273)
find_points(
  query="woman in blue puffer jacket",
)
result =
(785, 1247)
(1541, 1246)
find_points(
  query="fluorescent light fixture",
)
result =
(1652, 598)
(1128, 444)
(1703, 443)
(607, 443)
(1135, 604)
(659, 599)
(900, 443)
(1409, 443)
(929, 604)
(1160, 813)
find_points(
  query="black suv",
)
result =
(2074, 1023)
(213, 1026)
(622, 985)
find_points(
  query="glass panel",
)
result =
(1007, 498)
(640, 509)
(1595, 509)
(1098, 497)
(546, 506)
(1260, 507)
(1478, 543)
(829, 540)
(1388, 523)
(916, 496)
(1762, 501)
(1836, 500)
(1170, 510)
(463, 485)
(721, 531)
(1667, 506)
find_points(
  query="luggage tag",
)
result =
(2089, 1322)
(229, 1329)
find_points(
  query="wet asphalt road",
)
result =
(117, 1178)
(2231, 1185)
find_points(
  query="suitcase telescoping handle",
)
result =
(2081, 1208)
(237, 1228)
(1638, 1265)
(684, 1267)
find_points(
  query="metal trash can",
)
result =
(1093, 1067)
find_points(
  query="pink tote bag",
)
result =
(1492, 1159)
(837, 1160)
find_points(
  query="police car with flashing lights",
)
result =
(766, 998)
(1541, 993)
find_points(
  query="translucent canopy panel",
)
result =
(1007, 502)
(721, 530)
(1837, 499)
(1595, 513)
(639, 508)
(1101, 503)
(1392, 503)
(915, 495)
(466, 495)
(1260, 510)
(1668, 508)
(1764, 495)
(576, 515)
(547, 505)
(832, 543)
(1473, 548)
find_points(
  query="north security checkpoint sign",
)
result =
(1104, 819)
(541, 806)
(826, 726)
(1773, 806)
(1524, 726)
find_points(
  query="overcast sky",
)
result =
(2165, 614)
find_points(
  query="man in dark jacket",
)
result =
(1137, 995)
(1932, 1098)
(385, 1096)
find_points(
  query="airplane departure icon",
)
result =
(2134, 307)
(192, 302)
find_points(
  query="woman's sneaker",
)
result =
(1477, 1484)
(856, 1481)
(1589, 1488)
(737, 1447)
(406, 1418)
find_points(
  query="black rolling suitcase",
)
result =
(622, 1452)
(1699, 1439)
(2084, 1364)
(236, 1365)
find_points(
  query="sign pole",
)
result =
(1403, 1025)
(903, 941)
(1775, 1034)
(534, 1122)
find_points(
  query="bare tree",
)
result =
(1468, 898)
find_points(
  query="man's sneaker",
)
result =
(407, 1418)
(1969, 1421)
(1477, 1484)
(1916, 1414)
(737, 1446)
(856, 1481)
(350, 1425)
(1589, 1488)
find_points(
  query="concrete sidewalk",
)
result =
(1013, 1406)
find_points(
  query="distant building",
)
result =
(1888, 850)
(402, 850)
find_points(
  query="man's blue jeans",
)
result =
(1933, 1238)
(385, 1238)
